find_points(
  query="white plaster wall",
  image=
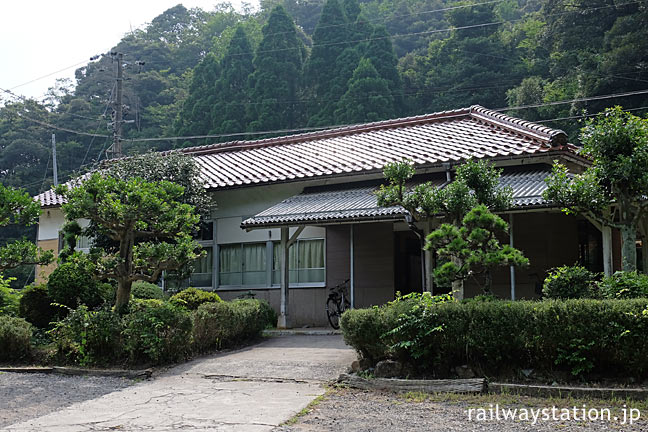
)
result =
(50, 223)
(228, 230)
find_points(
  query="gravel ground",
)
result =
(358, 410)
(25, 396)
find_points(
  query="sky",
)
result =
(43, 37)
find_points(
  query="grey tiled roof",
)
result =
(428, 140)
(347, 203)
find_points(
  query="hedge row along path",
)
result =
(252, 389)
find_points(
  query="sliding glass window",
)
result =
(306, 262)
(242, 264)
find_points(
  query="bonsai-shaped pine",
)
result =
(147, 220)
(17, 207)
(472, 250)
(613, 190)
(476, 182)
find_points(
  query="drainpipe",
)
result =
(352, 269)
(512, 268)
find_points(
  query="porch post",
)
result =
(285, 279)
(428, 281)
(512, 268)
(606, 235)
(352, 267)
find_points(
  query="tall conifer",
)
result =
(233, 92)
(275, 81)
(368, 97)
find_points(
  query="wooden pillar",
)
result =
(285, 280)
(286, 242)
(428, 256)
(606, 235)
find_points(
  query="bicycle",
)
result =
(337, 303)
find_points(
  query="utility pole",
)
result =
(117, 124)
(54, 167)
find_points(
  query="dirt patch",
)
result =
(360, 410)
(26, 396)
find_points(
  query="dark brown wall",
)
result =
(548, 239)
(306, 305)
(374, 264)
(337, 254)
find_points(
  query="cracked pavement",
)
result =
(251, 389)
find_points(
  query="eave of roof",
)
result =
(349, 203)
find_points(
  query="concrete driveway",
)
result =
(252, 389)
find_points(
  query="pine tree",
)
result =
(351, 10)
(229, 112)
(193, 119)
(368, 97)
(381, 53)
(329, 41)
(275, 81)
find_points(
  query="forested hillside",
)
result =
(296, 65)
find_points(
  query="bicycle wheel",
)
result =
(333, 312)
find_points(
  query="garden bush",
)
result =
(89, 337)
(624, 285)
(217, 325)
(569, 282)
(72, 284)
(15, 337)
(36, 306)
(581, 337)
(156, 332)
(191, 298)
(9, 297)
(146, 290)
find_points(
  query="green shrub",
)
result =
(191, 298)
(216, 325)
(9, 297)
(581, 336)
(270, 316)
(569, 282)
(146, 290)
(36, 306)
(72, 284)
(624, 285)
(363, 328)
(15, 336)
(156, 332)
(89, 337)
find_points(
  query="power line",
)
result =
(48, 75)
(585, 115)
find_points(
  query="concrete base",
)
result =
(283, 322)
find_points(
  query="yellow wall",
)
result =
(42, 272)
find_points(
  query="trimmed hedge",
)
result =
(36, 306)
(89, 337)
(71, 283)
(191, 298)
(217, 325)
(157, 332)
(624, 285)
(582, 337)
(570, 282)
(146, 291)
(15, 337)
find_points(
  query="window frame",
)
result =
(269, 267)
